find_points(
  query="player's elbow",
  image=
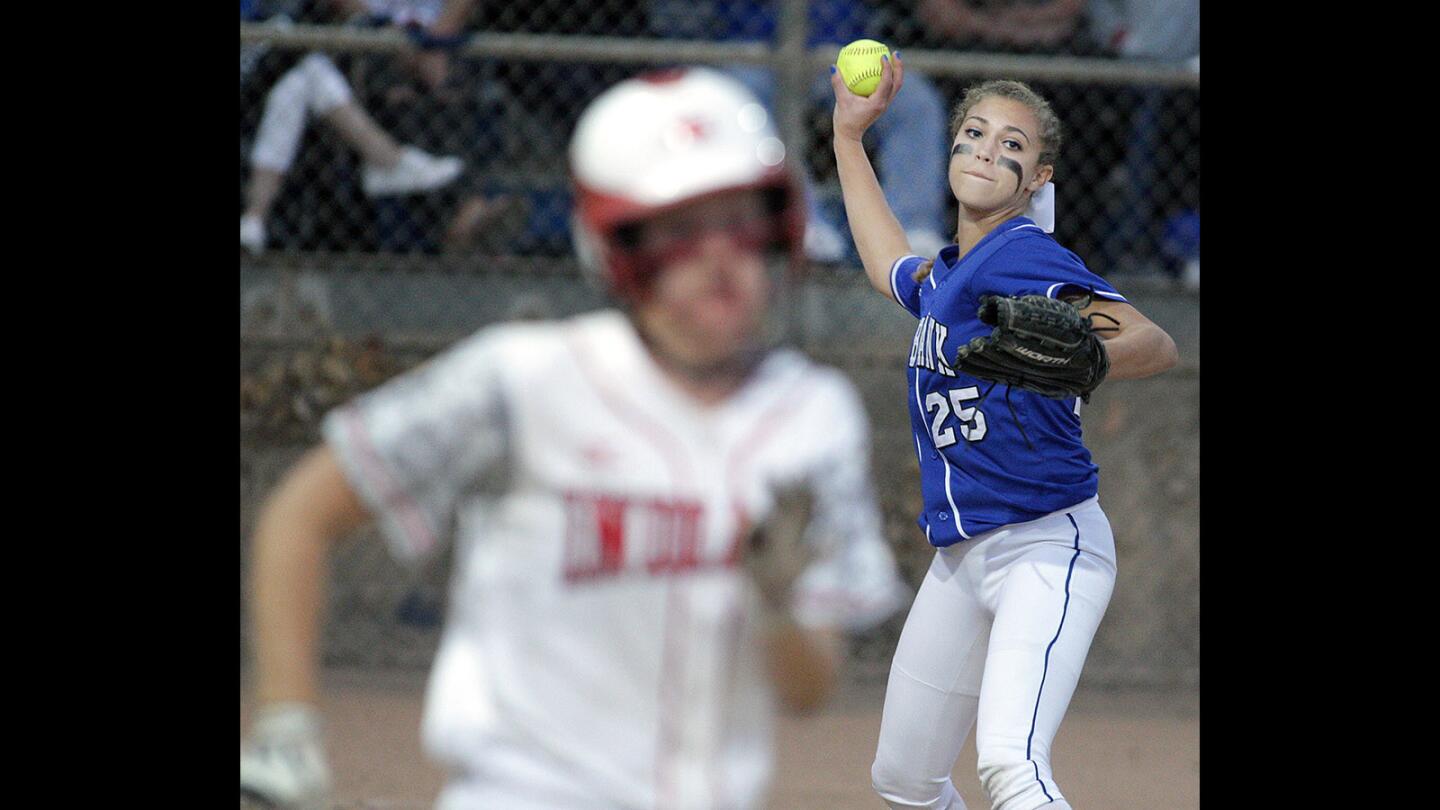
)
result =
(1155, 353)
(1168, 355)
(315, 496)
(879, 281)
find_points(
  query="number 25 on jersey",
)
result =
(969, 418)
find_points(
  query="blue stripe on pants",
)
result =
(1046, 669)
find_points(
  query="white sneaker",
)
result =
(252, 233)
(415, 171)
(823, 242)
(925, 243)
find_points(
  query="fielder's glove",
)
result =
(1040, 344)
(283, 760)
(775, 551)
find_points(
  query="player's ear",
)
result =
(1043, 173)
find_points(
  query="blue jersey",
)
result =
(977, 470)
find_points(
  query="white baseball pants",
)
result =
(313, 87)
(995, 639)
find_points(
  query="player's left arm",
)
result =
(851, 582)
(804, 663)
(1137, 346)
(803, 657)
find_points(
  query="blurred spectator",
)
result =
(315, 87)
(989, 26)
(1164, 31)
(1050, 25)
(910, 140)
(1168, 30)
(509, 121)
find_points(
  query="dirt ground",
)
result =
(1115, 750)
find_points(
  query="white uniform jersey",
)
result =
(600, 645)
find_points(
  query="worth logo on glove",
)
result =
(1039, 344)
(1043, 358)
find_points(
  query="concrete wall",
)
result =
(303, 353)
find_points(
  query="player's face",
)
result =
(995, 157)
(711, 289)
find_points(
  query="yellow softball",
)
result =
(859, 65)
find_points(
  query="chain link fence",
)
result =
(358, 270)
(328, 107)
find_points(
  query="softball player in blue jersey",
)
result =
(1025, 560)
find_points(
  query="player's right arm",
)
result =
(403, 453)
(879, 238)
(311, 509)
(283, 759)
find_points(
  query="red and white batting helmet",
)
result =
(662, 140)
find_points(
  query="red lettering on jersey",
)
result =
(594, 535)
(599, 528)
(610, 523)
(674, 541)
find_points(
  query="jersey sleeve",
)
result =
(413, 446)
(853, 583)
(903, 288)
(1037, 265)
